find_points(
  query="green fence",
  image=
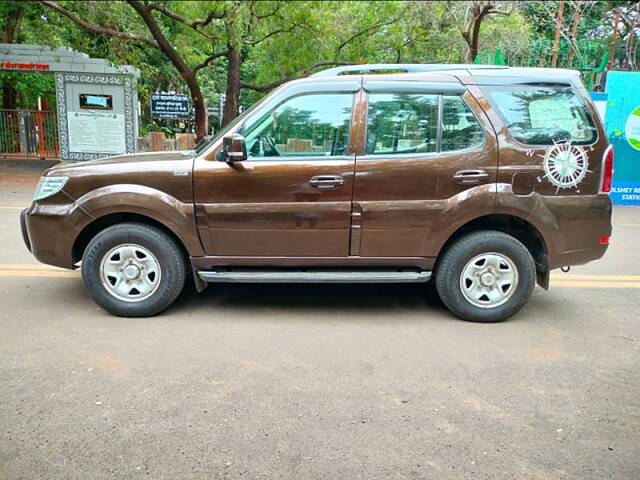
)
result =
(590, 58)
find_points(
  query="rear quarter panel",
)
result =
(570, 220)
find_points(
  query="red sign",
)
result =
(24, 66)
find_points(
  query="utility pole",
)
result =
(556, 43)
(574, 34)
(614, 38)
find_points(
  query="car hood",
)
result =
(167, 172)
(123, 160)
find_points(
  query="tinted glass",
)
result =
(460, 129)
(309, 125)
(402, 123)
(541, 115)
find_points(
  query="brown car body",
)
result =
(389, 211)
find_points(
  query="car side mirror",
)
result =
(234, 149)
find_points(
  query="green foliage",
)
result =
(280, 40)
(30, 86)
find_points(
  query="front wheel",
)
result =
(485, 276)
(133, 270)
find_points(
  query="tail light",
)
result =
(607, 170)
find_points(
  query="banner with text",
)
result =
(622, 123)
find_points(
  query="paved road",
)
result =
(323, 382)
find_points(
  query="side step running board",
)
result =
(317, 276)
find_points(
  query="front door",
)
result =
(426, 151)
(292, 196)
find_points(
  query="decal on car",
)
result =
(565, 165)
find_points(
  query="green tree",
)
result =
(469, 17)
(255, 45)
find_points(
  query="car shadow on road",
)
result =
(313, 297)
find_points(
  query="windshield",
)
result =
(210, 141)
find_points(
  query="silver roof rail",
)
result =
(403, 67)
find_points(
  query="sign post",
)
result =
(170, 106)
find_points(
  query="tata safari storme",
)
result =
(482, 178)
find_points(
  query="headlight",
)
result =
(48, 186)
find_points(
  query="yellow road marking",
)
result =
(29, 266)
(38, 273)
(576, 276)
(578, 284)
(12, 208)
(628, 224)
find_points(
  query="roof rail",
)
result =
(403, 67)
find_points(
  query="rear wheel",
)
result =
(485, 276)
(133, 270)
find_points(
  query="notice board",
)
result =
(170, 106)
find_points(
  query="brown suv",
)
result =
(485, 178)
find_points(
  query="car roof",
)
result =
(456, 73)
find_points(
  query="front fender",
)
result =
(177, 216)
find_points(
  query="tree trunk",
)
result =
(233, 85)
(574, 33)
(187, 74)
(202, 118)
(9, 97)
(9, 93)
(556, 41)
(473, 50)
(473, 38)
(614, 38)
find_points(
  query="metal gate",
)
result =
(28, 134)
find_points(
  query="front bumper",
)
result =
(49, 232)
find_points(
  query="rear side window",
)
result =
(460, 129)
(400, 123)
(543, 115)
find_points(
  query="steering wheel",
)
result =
(272, 150)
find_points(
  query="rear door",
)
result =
(430, 159)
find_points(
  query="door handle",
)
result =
(471, 177)
(325, 182)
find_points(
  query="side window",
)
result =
(460, 129)
(543, 115)
(308, 125)
(402, 123)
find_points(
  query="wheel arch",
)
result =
(517, 227)
(99, 224)
(115, 203)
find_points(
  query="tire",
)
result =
(114, 257)
(485, 276)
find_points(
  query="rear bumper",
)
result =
(23, 229)
(578, 224)
(570, 225)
